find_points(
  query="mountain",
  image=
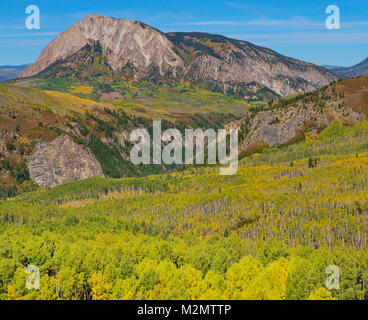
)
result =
(360, 69)
(10, 72)
(130, 48)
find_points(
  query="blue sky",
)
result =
(294, 28)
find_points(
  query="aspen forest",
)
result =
(267, 232)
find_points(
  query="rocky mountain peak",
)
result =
(124, 41)
(214, 61)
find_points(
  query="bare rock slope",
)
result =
(290, 118)
(222, 63)
(60, 161)
(124, 42)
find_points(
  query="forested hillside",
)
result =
(100, 117)
(268, 232)
(297, 205)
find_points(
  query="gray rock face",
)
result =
(154, 55)
(123, 40)
(240, 63)
(61, 161)
(280, 126)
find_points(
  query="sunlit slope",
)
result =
(29, 116)
(268, 232)
(144, 98)
(318, 199)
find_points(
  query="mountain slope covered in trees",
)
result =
(98, 120)
(268, 232)
(100, 115)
